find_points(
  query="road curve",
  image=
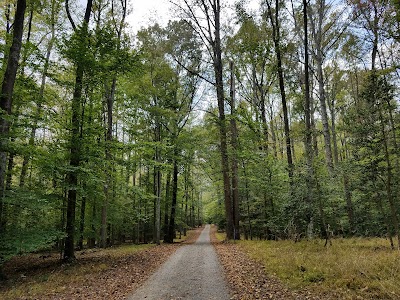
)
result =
(192, 272)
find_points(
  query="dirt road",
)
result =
(192, 272)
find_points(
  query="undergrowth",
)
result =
(353, 268)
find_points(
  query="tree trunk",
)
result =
(235, 148)
(276, 37)
(82, 222)
(7, 90)
(167, 199)
(263, 118)
(389, 179)
(307, 113)
(186, 184)
(314, 132)
(171, 225)
(219, 83)
(110, 92)
(334, 134)
(157, 185)
(75, 148)
(273, 134)
(349, 203)
(318, 57)
(31, 142)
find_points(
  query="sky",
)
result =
(145, 12)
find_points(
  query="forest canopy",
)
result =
(279, 122)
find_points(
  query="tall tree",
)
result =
(6, 96)
(205, 17)
(75, 138)
(276, 34)
(319, 54)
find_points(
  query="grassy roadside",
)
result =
(356, 268)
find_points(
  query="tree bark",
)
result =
(157, 186)
(171, 225)
(318, 57)
(82, 222)
(389, 177)
(166, 209)
(211, 36)
(273, 133)
(219, 84)
(235, 148)
(75, 148)
(307, 115)
(7, 90)
(276, 37)
(312, 181)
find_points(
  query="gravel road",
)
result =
(192, 272)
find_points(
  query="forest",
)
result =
(280, 122)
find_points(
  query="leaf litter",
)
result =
(248, 280)
(96, 273)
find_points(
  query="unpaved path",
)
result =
(192, 272)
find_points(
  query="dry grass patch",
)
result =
(353, 268)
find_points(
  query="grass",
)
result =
(352, 268)
(220, 236)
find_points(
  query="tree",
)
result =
(275, 24)
(210, 33)
(6, 96)
(75, 140)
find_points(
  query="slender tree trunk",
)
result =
(274, 19)
(158, 188)
(318, 57)
(314, 132)
(334, 134)
(82, 222)
(389, 179)
(167, 199)
(171, 225)
(31, 142)
(186, 184)
(386, 219)
(263, 119)
(307, 112)
(235, 148)
(273, 134)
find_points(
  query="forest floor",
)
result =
(349, 269)
(248, 279)
(110, 274)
